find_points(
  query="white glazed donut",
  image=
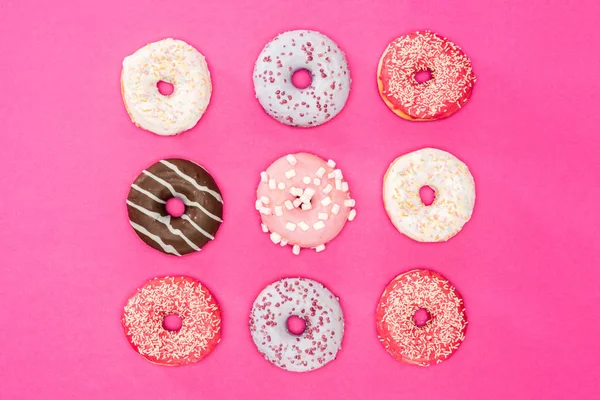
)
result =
(177, 63)
(454, 195)
(314, 105)
(309, 300)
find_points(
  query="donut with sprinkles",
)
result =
(454, 189)
(195, 187)
(446, 92)
(316, 305)
(328, 91)
(175, 62)
(441, 335)
(303, 201)
(144, 313)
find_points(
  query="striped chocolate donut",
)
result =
(195, 187)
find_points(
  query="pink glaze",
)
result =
(306, 165)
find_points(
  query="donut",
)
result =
(175, 62)
(454, 195)
(195, 187)
(289, 52)
(145, 311)
(303, 201)
(306, 299)
(433, 342)
(445, 93)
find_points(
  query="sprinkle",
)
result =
(320, 172)
(275, 237)
(264, 200)
(320, 248)
(326, 201)
(306, 180)
(349, 203)
(265, 210)
(328, 188)
(317, 181)
(331, 163)
(290, 174)
(264, 178)
(272, 184)
(290, 226)
(303, 225)
(352, 214)
(335, 209)
(345, 187)
(319, 225)
(278, 211)
(306, 206)
(289, 205)
(281, 186)
(323, 216)
(264, 228)
(296, 249)
(291, 159)
(338, 184)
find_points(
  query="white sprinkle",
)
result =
(349, 203)
(317, 181)
(319, 225)
(290, 226)
(352, 214)
(296, 249)
(345, 187)
(258, 205)
(338, 174)
(303, 225)
(326, 201)
(275, 237)
(290, 174)
(278, 211)
(264, 228)
(331, 163)
(264, 178)
(291, 159)
(272, 184)
(264, 200)
(323, 216)
(265, 210)
(335, 208)
(338, 184)
(306, 179)
(281, 186)
(327, 189)
(306, 206)
(288, 204)
(320, 248)
(297, 203)
(321, 172)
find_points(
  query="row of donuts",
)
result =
(423, 342)
(443, 92)
(303, 201)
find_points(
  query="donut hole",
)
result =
(421, 317)
(423, 76)
(427, 195)
(165, 88)
(296, 325)
(302, 78)
(175, 207)
(172, 322)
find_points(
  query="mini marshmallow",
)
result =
(306, 206)
(296, 249)
(265, 210)
(303, 225)
(291, 159)
(290, 174)
(264, 228)
(258, 205)
(278, 211)
(327, 189)
(338, 184)
(349, 203)
(326, 201)
(275, 237)
(352, 215)
(320, 172)
(272, 184)
(345, 187)
(320, 248)
(306, 180)
(290, 226)
(317, 181)
(289, 205)
(319, 225)
(281, 186)
(331, 163)
(335, 209)
(264, 178)
(323, 216)
(264, 200)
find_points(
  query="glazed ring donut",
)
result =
(454, 195)
(144, 315)
(289, 52)
(306, 299)
(195, 187)
(175, 62)
(433, 342)
(444, 94)
(303, 201)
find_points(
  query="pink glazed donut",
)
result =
(303, 201)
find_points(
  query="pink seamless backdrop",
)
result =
(526, 264)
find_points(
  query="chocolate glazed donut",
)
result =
(195, 187)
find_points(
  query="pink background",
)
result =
(526, 264)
